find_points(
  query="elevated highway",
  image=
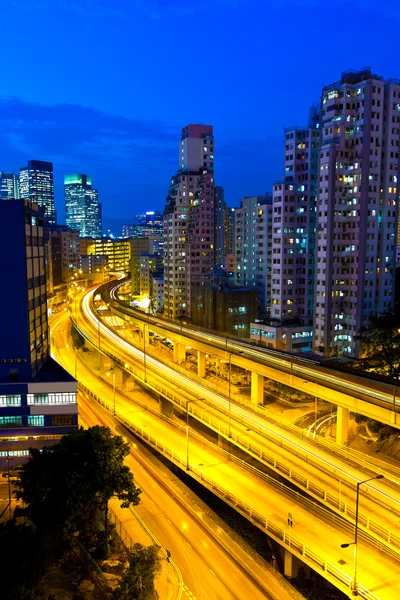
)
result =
(316, 535)
(327, 479)
(349, 392)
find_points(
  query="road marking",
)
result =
(169, 521)
(188, 593)
(188, 544)
(211, 571)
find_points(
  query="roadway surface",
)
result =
(208, 571)
(328, 383)
(310, 467)
(378, 573)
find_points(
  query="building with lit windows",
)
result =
(220, 215)
(9, 186)
(36, 185)
(117, 251)
(293, 240)
(357, 214)
(252, 247)
(82, 207)
(64, 253)
(189, 221)
(37, 396)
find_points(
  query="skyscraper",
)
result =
(356, 207)
(252, 246)
(219, 226)
(293, 239)
(36, 185)
(9, 186)
(189, 221)
(82, 208)
(37, 397)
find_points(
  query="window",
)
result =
(10, 400)
(62, 420)
(36, 420)
(12, 421)
(52, 398)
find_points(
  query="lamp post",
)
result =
(354, 585)
(187, 430)
(98, 331)
(112, 370)
(229, 393)
(315, 410)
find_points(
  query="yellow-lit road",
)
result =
(329, 478)
(209, 572)
(377, 572)
(342, 388)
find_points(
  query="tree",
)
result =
(138, 582)
(66, 484)
(380, 342)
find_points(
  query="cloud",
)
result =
(80, 133)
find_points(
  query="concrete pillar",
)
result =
(201, 363)
(342, 425)
(257, 388)
(128, 382)
(291, 564)
(288, 564)
(166, 407)
(179, 352)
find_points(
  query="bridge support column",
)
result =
(166, 407)
(342, 425)
(257, 388)
(179, 353)
(201, 363)
(291, 564)
(128, 382)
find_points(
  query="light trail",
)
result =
(215, 399)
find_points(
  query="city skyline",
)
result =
(131, 124)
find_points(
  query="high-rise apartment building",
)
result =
(64, 253)
(252, 246)
(357, 211)
(220, 209)
(189, 221)
(82, 207)
(9, 186)
(293, 226)
(37, 397)
(36, 185)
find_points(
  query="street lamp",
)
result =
(144, 348)
(187, 429)
(354, 585)
(229, 393)
(112, 370)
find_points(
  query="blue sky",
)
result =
(104, 87)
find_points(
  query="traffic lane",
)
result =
(247, 486)
(208, 571)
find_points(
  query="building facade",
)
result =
(9, 186)
(293, 227)
(117, 251)
(36, 185)
(252, 247)
(82, 207)
(357, 212)
(64, 253)
(37, 397)
(189, 221)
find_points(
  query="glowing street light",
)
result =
(354, 585)
(187, 429)
(112, 370)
